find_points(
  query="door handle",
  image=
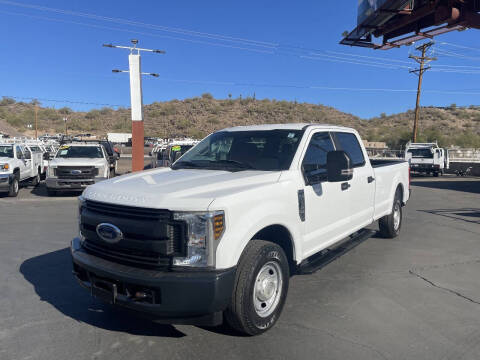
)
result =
(370, 179)
(345, 186)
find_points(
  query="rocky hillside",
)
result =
(199, 116)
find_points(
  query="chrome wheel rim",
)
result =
(267, 290)
(396, 216)
(15, 186)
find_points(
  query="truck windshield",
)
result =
(267, 150)
(79, 152)
(6, 151)
(421, 153)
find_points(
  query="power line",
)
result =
(460, 46)
(137, 32)
(141, 24)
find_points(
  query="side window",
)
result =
(348, 142)
(27, 152)
(19, 152)
(315, 161)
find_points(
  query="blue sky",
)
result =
(275, 49)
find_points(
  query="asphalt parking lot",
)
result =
(413, 297)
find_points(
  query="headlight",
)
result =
(101, 171)
(204, 229)
(4, 167)
(51, 171)
(81, 204)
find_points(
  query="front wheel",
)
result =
(390, 224)
(14, 187)
(260, 290)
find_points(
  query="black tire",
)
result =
(259, 257)
(112, 173)
(435, 174)
(36, 180)
(14, 187)
(389, 228)
(51, 192)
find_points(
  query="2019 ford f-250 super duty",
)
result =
(219, 233)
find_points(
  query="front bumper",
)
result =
(71, 184)
(174, 297)
(5, 181)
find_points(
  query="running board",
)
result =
(325, 257)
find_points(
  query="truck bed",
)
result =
(376, 163)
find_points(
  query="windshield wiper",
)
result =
(237, 164)
(185, 165)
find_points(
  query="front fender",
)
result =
(243, 225)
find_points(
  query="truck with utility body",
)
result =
(165, 155)
(77, 165)
(427, 158)
(112, 153)
(219, 233)
(18, 163)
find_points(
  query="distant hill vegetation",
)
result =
(199, 116)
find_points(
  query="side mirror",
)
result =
(339, 166)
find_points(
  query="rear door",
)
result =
(327, 206)
(362, 184)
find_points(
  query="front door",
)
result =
(25, 171)
(362, 184)
(327, 206)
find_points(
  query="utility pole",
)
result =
(65, 121)
(36, 121)
(136, 100)
(422, 60)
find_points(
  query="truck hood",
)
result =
(77, 162)
(5, 160)
(179, 190)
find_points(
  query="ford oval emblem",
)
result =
(76, 172)
(109, 233)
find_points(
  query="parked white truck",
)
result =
(427, 158)
(77, 165)
(17, 164)
(220, 232)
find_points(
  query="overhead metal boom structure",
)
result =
(403, 22)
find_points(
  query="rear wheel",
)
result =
(36, 179)
(435, 174)
(260, 289)
(14, 186)
(391, 224)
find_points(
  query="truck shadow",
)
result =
(41, 190)
(51, 276)
(467, 215)
(458, 185)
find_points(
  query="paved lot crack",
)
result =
(443, 288)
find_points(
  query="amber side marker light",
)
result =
(218, 226)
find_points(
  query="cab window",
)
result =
(314, 163)
(19, 152)
(348, 142)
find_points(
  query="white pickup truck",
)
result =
(18, 164)
(427, 158)
(220, 232)
(77, 165)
